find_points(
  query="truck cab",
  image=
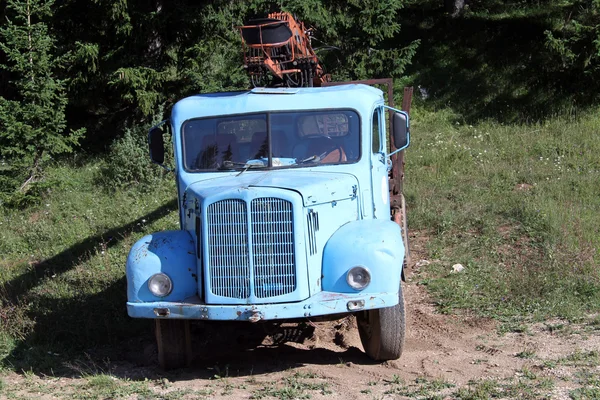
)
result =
(284, 212)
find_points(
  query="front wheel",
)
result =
(382, 331)
(174, 343)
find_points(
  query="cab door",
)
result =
(379, 166)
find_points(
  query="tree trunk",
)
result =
(454, 7)
(33, 172)
(30, 41)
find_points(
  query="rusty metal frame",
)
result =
(298, 43)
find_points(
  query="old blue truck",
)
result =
(284, 211)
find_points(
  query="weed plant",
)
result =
(129, 164)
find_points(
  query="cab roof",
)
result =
(354, 96)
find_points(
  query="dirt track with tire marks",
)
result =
(242, 361)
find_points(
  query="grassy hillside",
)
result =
(62, 285)
(517, 205)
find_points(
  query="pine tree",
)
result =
(577, 39)
(32, 122)
(356, 39)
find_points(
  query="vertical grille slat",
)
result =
(312, 220)
(228, 249)
(273, 247)
(271, 229)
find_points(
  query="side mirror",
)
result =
(156, 143)
(401, 130)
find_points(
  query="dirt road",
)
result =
(445, 356)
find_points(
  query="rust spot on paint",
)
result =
(335, 296)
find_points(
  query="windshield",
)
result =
(279, 139)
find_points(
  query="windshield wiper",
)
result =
(227, 165)
(314, 158)
(235, 165)
(247, 166)
(232, 165)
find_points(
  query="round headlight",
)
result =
(160, 285)
(358, 278)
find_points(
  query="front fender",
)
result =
(374, 244)
(170, 252)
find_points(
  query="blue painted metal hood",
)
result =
(314, 187)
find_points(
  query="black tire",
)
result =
(382, 331)
(174, 343)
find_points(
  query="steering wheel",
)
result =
(330, 147)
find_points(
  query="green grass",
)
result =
(98, 386)
(587, 393)
(481, 390)
(62, 285)
(293, 387)
(421, 387)
(185, 393)
(531, 387)
(590, 385)
(104, 386)
(581, 358)
(526, 354)
(528, 386)
(517, 205)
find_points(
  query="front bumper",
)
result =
(323, 303)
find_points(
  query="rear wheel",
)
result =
(382, 331)
(174, 343)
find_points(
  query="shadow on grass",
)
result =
(237, 349)
(485, 66)
(226, 349)
(266, 360)
(67, 327)
(87, 334)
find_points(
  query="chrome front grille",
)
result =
(228, 249)
(272, 247)
(251, 253)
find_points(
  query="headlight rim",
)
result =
(169, 280)
(366, 272)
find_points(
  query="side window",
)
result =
(375, 133)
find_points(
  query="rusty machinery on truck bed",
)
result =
(278, 52)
